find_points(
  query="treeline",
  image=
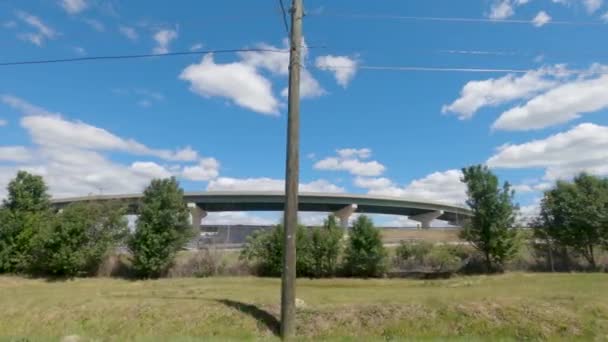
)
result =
(75, 241)
(36, 240)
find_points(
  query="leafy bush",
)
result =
(365, 255)
(443, 259)
(416, 250)
(326, 247)
(77, 240)
(163, 228)
(265, 249)
(423, 255)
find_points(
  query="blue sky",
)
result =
(217, 121)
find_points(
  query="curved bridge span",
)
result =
(342, 205)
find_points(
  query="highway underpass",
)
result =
(342, 205)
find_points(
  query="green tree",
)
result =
(162, 228)
(575, 215)
(80, 236)
(326, 246)
(365, 255)
(490, 230)
(24, 213)
(27, 193)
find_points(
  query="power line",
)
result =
(284, 15)
(135, 56)
(455, 19)
(439, 69)
(459, 69)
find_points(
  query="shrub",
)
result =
(326, 247)
(416, 250)
(201, 263)
(265, 249)
(163, 228)
(443, 259)
(424, 256)
(115, 265)
(77, 240)
(365, 255)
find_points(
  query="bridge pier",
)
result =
(344, 214)
(197, 214)
(426, 218)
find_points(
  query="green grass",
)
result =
(514, 306)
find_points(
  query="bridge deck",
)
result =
(274, 201)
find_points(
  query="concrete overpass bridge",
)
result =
(342, 205)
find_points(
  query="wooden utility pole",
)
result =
(292, 170)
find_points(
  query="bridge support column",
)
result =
(197, 214)
(345, 213)
(426, 218)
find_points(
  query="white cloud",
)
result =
(496, 91)
(592, 5)
(244, 82)
(128, 32)
(80, 51)
(70, 171)
(95, 24)
(196, 46)
(439, 186)
(3, 122)
(144, 103)
(268, 184)
(343, 67)
(150, 170)
(444, 187)
(278, 64)
(309, 86)
(561, 104)
(501, 9)
(541, 19)
(229, 218)
(563, 155)
(146, 97)
(532, 187)
(48, 129)
(74, 6)
(15, 154)
(207, 168)
(42, 33)
(527, 214)
(350, 160)
(68, 155)
(239, 82)
(363, 153)
(163, 38)
(373, 183)
(605, 17)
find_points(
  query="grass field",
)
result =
(508, 307)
